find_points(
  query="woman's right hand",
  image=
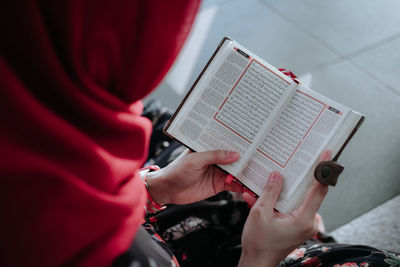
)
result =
(268, 235)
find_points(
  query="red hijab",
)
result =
(72, 74)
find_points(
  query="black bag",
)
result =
(206, 233)
(163, 150)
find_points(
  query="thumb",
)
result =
(271, 191)
(216, 157)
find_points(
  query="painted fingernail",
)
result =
(274, 177)
(232, 154)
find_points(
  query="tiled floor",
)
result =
(382, 222)
(351, 50)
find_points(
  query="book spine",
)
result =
(336, 157)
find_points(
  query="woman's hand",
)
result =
(268, 235)
(192, 177)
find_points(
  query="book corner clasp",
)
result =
(327, 172)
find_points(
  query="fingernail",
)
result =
(232, 154)
(274, 177)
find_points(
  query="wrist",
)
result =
(246, 261)
(156, 187)
(270, 259)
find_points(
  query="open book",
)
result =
(241, 103)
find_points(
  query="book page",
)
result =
(350, 121)
(294, 142)
(230, 108)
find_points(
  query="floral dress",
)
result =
(341, 255)
(183, 242)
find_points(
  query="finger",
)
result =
(215, 157)
(320, 223)
(270, 194)
(326, 155)
(236, 186)
(223, 183)
(313, 200)
(250, 199)
(233, 187)
(315, 230)
(316, 193)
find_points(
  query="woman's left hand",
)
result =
(192, 177)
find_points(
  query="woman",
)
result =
(73, 141)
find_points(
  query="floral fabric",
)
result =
(341, 255)
(147, 250)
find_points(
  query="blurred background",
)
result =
(346, 50)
